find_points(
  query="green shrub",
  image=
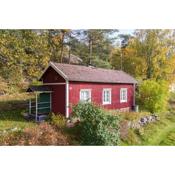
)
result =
(153, 96)
(58, 120)
(97, 126)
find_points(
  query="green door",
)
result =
(44, 103)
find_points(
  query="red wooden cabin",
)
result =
(70, 84)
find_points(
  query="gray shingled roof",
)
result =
(92, 74)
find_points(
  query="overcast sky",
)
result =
(126, 31)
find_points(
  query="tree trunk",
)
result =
(90, 51)
(149, 68)
(121, 59)
(69, 48)
(62, 47)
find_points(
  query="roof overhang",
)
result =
(39, 89)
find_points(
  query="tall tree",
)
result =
(57, 40)
(150, 54)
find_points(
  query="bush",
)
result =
(44, 134)
(153, 96)
(58, 120)
(97, 127)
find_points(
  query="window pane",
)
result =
(106, 96)
(123, 95)
(85, 95)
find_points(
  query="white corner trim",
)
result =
(134, 89)
(67, 99)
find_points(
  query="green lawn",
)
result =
(13, 119)
(11, 108)
(159, 133)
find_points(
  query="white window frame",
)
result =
(103, 97)
(83, 90)
(123, 90)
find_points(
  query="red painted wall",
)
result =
(58, 91)
(96, 94)
(51, 76)
(58, 99)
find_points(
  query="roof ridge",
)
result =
(84, 66)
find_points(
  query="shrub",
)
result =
(153, 96)
(58, 120)
(97, 127)
(43, 134)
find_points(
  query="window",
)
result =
(85, 95)
(106, 96)
(123, 95)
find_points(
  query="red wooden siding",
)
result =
(58, 99)
(96, 94)
(51, 76)
(58, 91)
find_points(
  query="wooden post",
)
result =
(36, 112)
(30, 106)
(50, 102)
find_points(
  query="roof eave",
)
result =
(119, 82)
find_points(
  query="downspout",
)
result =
(134, 96)
(67, 99)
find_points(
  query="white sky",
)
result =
(126, 31)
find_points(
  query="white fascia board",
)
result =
(58, 71)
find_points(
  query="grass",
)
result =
(14, 119)
(11, 108)
(161, 132)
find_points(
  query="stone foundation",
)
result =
(127, 109)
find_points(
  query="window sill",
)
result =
(123, 101)
(106, 103)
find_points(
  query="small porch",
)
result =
(41, 105)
